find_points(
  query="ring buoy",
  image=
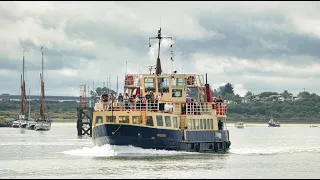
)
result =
(190, 80)
(129, 80)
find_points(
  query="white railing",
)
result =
(134, 105)
(195, 108)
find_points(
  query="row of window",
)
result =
(163, 84)
(137, 120)
(200, 123)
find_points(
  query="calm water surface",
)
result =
(257, 151)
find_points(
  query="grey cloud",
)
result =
(269, 73)
(250, 42)
(253, 36)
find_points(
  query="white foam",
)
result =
(111, 150)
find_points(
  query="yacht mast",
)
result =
(42, 89)
(23, 90)
(29, 106)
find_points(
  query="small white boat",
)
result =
(15, 124)
(20, 122)
(42, 125)
(272, 123)
(31, 125)
(239, 125)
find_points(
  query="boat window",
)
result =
(193, 124)
(123, 119)
(163, 84)
(149, 121)
(211, 123)
(179, 82)
(176, 93)
(190, 124)
(136, 120)
(208, 124)
(175, 122)
(201, 126)
(159, 120)
(204, 124)
(168, 121)
(111, 119)
(98, 119)
(149, 84)
(197, 123)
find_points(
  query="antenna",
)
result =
(159, 37)
(150, 67)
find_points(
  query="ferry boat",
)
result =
(159, 114)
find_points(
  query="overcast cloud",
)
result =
(257, 46)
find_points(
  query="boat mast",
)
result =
(42, 88)
(159, 37)
(29, 106)
(23, 90)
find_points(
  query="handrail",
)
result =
(134, 104)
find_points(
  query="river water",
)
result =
(257, 151)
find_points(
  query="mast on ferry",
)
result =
(159, 37)
(42, 89)
(23, 90)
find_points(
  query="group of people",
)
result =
(126, 102)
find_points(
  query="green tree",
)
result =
(303, 94)
(228, 88)
(248, 94)
(267, 94)
(99, 91)
(286, 94)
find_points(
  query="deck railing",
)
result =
(197, 108)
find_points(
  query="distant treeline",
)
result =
(306, 108)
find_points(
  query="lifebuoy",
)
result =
(129, 80)
(190, 80)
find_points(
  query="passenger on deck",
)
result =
(188, 99)
(183, 109)
(132, 101)
(152, 101)
(214, 99)
(148, 99)
(193, 107)
(104, 99)
(111, 100)
(120, 101)
(220, 100)
(126, 101)
(220, 125)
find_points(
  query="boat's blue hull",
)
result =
(151, 138)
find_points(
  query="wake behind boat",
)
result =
(156, 113)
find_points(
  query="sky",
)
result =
(256, 46)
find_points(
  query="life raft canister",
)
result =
(129, 80)
(190, 80)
